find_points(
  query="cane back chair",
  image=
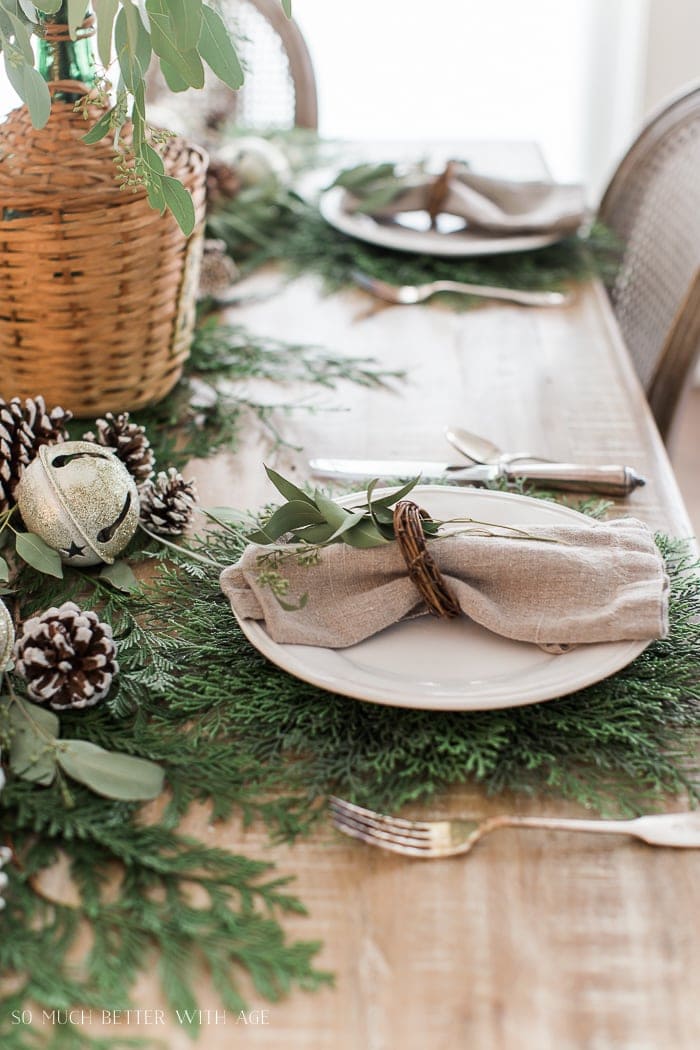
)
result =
(652, 204)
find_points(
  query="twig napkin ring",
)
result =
(422, 570)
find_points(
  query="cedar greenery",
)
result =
(270, 222)
(237, 733)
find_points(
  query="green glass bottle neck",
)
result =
(60, 58)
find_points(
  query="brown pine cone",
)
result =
(24, 427)
(167, 503)
(67, 657)
(223, 183)
(129, 442)
(218, 271)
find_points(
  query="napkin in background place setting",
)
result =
(602, 582)
(488, 204)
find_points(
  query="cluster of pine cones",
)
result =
(67, 656)
(167, 500)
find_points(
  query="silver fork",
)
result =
(409, 294)
(448, 838)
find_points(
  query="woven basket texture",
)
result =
(97, 290)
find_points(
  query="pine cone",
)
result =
(67, 657)
(167, 503)
(218, 271)
(24, 428)
(223, 183)
(129, 441)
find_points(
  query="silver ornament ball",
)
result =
(81, 500)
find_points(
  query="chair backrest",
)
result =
(279, 89)
(652, 204)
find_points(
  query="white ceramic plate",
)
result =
(453, 665)
(406, 238)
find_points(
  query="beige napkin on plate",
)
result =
(488, 204)
(600, 583)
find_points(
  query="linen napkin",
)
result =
(597, 583)
(493, 205)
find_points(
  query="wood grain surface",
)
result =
(539, 940)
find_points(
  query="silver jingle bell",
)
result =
(81, 500)
(7, 636)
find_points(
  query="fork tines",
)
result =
(409, 837)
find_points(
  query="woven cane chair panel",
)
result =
(656, 214)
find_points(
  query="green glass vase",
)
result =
(60, 58)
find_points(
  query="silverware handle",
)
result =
(606, 827)
(608, 480)
(509, 295)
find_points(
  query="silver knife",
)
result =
(608, 480)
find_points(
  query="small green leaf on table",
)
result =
(110, 774)
(32, 754)
(32, 549)
(121, 576)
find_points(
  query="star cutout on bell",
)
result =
(73, 551)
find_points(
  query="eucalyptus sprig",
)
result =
(182, 36)
(317, 521)
(305, 524)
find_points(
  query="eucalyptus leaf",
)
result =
(224, 515)
(106, 12)
(29, 85)
(350, 522)
(287, 488)
(396, 494)
(121, 576)
(184, 61)
(316, 533)
(217, 50)
(22, 39)
(29, 10)
(292, 515)
(288, 607)
(172, 78)
(32, 754)
(365, 535)
(4, 571)
(180, 203)
(110, 774)
(332, 513)
(32, 549)
(361, 175)
(76, 15)
(186, 19)
(287, 7)
(152, 159)
(133, 46)
(100, 128)
(48, 7)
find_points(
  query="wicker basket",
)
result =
(97, 290)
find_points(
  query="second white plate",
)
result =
(452, 665)
(424, 242)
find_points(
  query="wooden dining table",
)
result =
(537, 940)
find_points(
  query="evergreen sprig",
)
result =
(236, 733)
(271, 223)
